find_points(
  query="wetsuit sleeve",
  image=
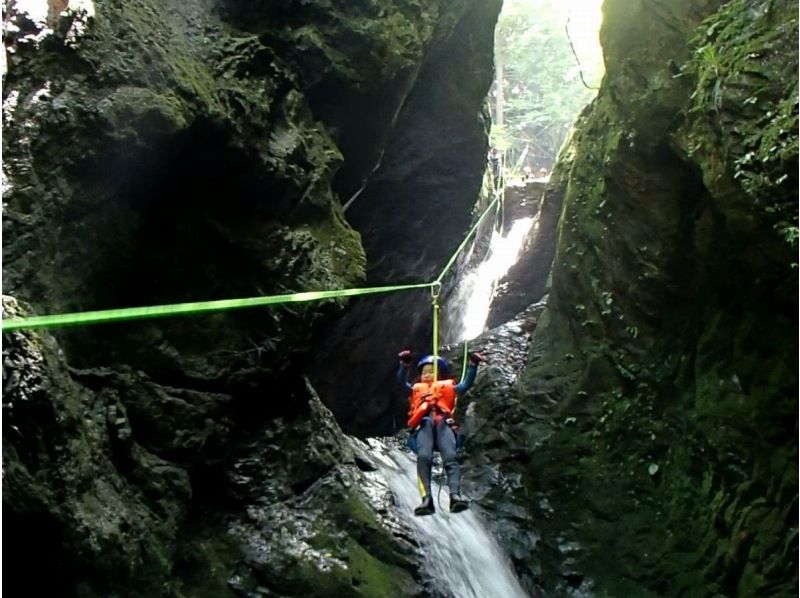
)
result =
(466, 383)
(402, 377)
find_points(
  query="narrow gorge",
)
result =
(634, 431)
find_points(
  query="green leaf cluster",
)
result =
(542, 87)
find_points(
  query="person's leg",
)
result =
(446, 441)
(424, 463)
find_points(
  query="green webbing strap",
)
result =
(463, 373)
(136, 313)
(435, 287)
(467, 238)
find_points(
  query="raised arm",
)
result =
(402, 370)
(465, 384)
(402, 377)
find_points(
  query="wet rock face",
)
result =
(194, 170)
(309, 520)
(526, 280)
(503, 427)
(654, 443)
(169, 492)
(162, 152)
(86, 503)
(356, 64)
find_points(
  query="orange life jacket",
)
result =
(441, 396)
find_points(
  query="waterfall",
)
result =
(475, 292)
(461, 556)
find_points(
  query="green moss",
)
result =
(140, 112)
(381, 38)
(348, 554)
(203, 566)
(351, 513)
(340, 251)
(364, 574)
(745, 107)
(375, 577)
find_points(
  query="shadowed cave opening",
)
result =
(193, 218)
(187, 222)
(37, 556)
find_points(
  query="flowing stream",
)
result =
(462, 557)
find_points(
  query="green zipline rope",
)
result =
(176, 309)
(435, 333)
(467, 238)
(464, 360)
(136, 313)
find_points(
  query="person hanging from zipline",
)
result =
(432, 405)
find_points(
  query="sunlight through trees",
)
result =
(548, 66)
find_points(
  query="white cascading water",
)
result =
(461, 554)
(476, 290)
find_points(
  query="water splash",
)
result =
(462, 557)
(38, 10)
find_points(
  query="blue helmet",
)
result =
(428, 359)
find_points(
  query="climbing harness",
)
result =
(464, 363)
(413, 446)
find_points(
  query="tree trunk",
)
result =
(498, 82)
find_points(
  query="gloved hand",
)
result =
(476, 358)
(405, 357)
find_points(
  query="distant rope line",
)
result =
(176, 309)
(575, 54)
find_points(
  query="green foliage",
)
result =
(746, 100)
(500, 138)
(542, 86)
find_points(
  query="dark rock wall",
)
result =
(158, 158)
(114, 485)
(169, 152)
(653, 434)
(355, 63)
(87, 507)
